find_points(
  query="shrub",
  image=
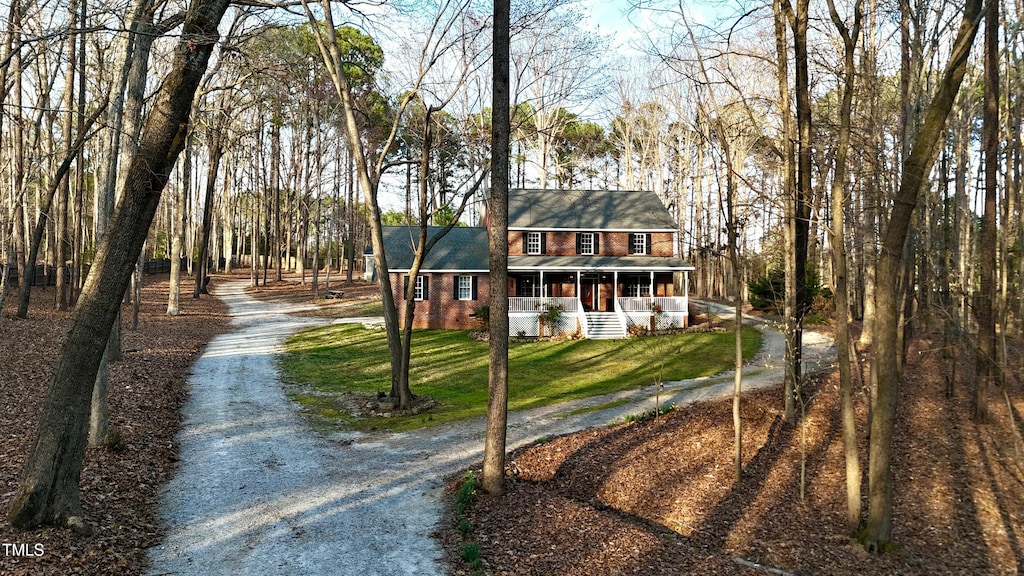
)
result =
(483, 313)
(768, 293)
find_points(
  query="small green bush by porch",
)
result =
(452, 368)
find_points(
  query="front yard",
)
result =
(334, 368)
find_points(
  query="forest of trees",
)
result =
(827, 140)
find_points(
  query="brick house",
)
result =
(604, 260)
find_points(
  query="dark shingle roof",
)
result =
(588, 210)
(462, 249)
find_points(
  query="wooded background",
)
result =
(814, 143)
(266, 160)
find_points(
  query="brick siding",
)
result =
(440, 310)
(611, 243)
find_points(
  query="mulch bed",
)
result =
(658, 496)
(120, 485)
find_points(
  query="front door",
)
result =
(589, 292)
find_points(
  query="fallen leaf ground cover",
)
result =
(119, 485)
(651, 497)
(658, 496)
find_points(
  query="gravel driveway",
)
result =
(259, 493)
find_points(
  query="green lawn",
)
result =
(451, 368)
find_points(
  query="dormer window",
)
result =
(587, 243)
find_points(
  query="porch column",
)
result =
(579, 294)
(543, 287)
(615, 284)
(652, 283)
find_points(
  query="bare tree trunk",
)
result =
(369, 174)
(734, 259)
(497, 373)
(178, 231)
(48, 492)
(203, 267)
(275, 190)
(350, 212)
(177, 227)
(839, 266)
(227, 226)
(77, 212)
(802, 208)
(985, 309)
(62, 209)
(878, 532)
(127, 118)
(15, 251)
(25, 289)
(316, 252)
(136, 287)
(789, 183)
(5, 274)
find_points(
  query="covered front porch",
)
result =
(596, 303)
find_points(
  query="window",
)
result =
(639, 243)
(637, 289)
(420, 291)
(465, 288)
(528, 286)
(586, 243)
(534, 243)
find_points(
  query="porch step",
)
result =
(604, 326)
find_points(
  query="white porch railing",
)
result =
(537, 305)
(524, 316)
(667, 311)
(647, 304)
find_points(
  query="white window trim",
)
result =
(639, 242)
(587, 243)
(418, 289)
(533, 243)
(465, 287)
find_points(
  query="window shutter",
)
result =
(455, 282)
(526, 242)
(405, 286)
(543, 242)
(474, 288)
(579, 243)
(597, 242)
(426, 287)
(631, 243)
(648, 244)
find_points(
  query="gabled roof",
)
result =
(463, 249)
(639, 211)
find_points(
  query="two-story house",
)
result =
(604, 260)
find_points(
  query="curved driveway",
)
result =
(258, 492)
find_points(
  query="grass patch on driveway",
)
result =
(328, 362)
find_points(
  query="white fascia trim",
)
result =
(637, 230)
(604, 269)
(422, 271)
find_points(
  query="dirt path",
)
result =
(258, 492)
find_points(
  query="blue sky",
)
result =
(610, 17)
